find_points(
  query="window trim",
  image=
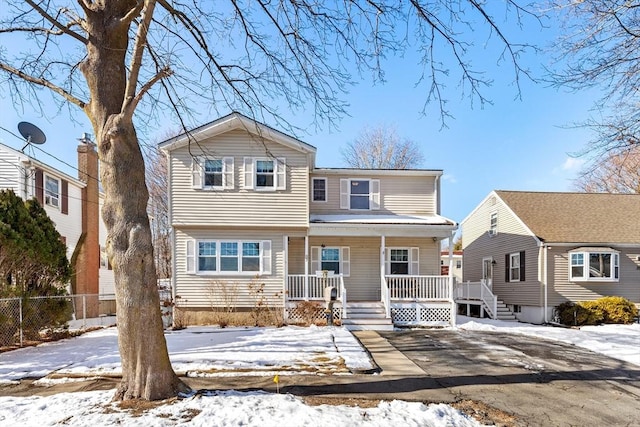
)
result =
(251, 176)
(345, 259)
(614, 267)
(313, 190)
(193, 257)
(513, 268)
(58, 196)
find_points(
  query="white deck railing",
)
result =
(478, 291)
(311, 287)
(419, 288)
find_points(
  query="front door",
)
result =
(487, 271)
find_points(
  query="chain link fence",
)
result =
(24, 321)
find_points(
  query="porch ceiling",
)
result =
(381, 225)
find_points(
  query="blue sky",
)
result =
(514, 144)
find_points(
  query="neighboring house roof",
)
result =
(235, 121)
(577, 217)
(26, 159)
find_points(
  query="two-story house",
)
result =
(73, 206)
(536, 250)
(250, 209)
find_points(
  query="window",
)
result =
(212, 173)
(264, 174)
(225, 257)
(403, 261)
(493, 224)
(458, 264)
(52, 191)
(336, 259)
(514, 267)
(360, 194)
(330, 259)
(399, 261)
(319, 190)
(594, 265)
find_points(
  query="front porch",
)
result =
(406, 300)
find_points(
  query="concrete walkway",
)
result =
(390, 361)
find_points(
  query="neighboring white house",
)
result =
(536, 250)
(73, 206)
(250, 208)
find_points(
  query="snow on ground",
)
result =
(250, 351)
(618, 341)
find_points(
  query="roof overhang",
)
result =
(434, 226)
(377, 172)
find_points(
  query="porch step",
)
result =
(366, 316)
(503, 312)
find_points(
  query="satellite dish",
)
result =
(31, 133)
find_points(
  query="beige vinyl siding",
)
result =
(398, 195)
(296, 255)
(239, 206)
(561, 290)
(512, 237)
(195, 290)
(363, 283)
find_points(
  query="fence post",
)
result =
(21, 325)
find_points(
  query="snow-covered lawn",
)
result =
(205, 351)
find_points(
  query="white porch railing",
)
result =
(312, 287)
(422, 288)
(478, 291)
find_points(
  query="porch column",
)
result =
(306, 268)
(451, 296)
(382, 257)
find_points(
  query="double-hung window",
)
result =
(493, 224)
(594, 264)
(264, 174)
(514, 267)
(51, 191)
(319, 189)
(229, 257)
(212, 173)
(403, 261)
(335, 259)
(360, 194)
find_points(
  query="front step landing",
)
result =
(366, 316)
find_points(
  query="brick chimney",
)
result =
(87, 264)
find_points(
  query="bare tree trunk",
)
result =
(146, 369)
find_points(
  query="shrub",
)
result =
(617, 309)
(602, 310)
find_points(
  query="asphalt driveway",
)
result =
(541, 382)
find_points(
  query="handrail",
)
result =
(489, 299)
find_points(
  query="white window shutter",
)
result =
(414, 261)
(197, 168)
(344, 194)
(265, 247)
(345, 261)
(191, 256)
(227, 173)
(281, 173)
(315, 259)
(248, 173)
(374, 194)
